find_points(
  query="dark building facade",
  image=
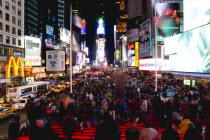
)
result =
(31, 17)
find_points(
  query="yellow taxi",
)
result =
(62, 84)
(4, 105)
(6, 112)
(67, 84)
(52, 88)
(59, 89)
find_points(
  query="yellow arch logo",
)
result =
(17, 66)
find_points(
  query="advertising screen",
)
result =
(167, 20)
(196, 13)
(79, 58)
(186, 82)
(64, 35)
(100, 29)
(49, 40)
(55, 60)
(190, 51)
(150, 64)
(33, 50)
(145, 39)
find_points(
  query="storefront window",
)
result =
(1, 50)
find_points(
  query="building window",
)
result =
(19, 12)
(0, 14)
(0, 2)
(13, 41)
(7, 39)
(13, 9)
(6, 5)
(19, 2)
(1, 38)
(19, 22)
(19, 42)
(7, 28)
(19, 32)
(13, 20)
(7, 17)
(13, 30)
(1, 26)
(14, 1)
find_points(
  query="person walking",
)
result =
(170, 133)
(14, 128)
(132, 133)
(148, 133)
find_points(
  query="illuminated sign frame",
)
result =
(17, 64)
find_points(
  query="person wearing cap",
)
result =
(132, 133)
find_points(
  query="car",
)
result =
(6, 112)
(53, 87)
(5, 105)
(21, 104)
(58, 89)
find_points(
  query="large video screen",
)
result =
(196, 13)
(190, 51)
(167, 19)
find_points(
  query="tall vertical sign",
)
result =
(137, 54)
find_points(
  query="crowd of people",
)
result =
(93, 103)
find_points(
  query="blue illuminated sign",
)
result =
(100, 29)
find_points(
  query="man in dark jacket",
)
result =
(14, 128)
(132, 133)
(39, 132)
(170, 133)
(192, 133)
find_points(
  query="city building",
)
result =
(31, 18)
(11, 41)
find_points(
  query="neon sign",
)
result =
(17, 65)
(136, 54)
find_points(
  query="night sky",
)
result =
(88, 11)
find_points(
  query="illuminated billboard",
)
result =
(121, 27)
(145, 39)
(55, 60)
(196, 13)
(33, 50)
(189, 51)
(167, 20)
(100, 29)
(49, 40)
(150, 64)
(136, 54)
(65, 35)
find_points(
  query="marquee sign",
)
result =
(18, 66)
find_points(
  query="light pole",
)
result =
(155, 57)
(70, 47)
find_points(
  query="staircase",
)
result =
(89, 134)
